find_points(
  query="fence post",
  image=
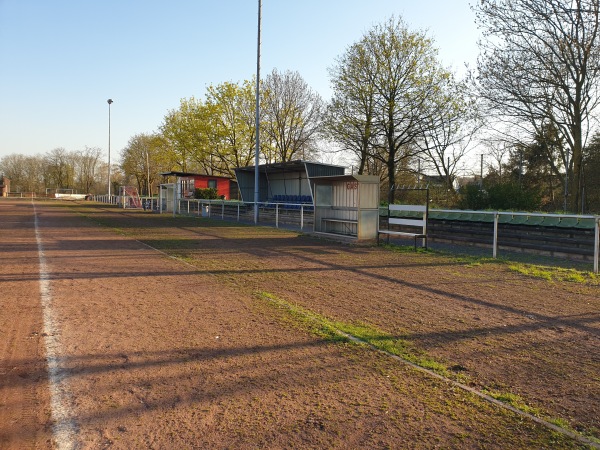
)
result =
(276, 215)
(222, 210)
(495, 251)
(301, 217)
(238, 212)
(596, 243)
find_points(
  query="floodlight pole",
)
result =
(257, 125)
(109, 101)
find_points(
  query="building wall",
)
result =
(222, 185)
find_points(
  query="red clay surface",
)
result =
(159, 352)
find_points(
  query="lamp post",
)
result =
(109, 101)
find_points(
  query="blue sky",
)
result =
(62, 59)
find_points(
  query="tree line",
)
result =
(528, 107)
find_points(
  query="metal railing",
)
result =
(301, 216)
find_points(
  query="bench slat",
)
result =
(420, 208)
(410, 222)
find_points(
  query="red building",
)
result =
(189, 182)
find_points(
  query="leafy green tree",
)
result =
(232, 134)
(350, 114)
(144, 158)
(398, 71)
(187, 130)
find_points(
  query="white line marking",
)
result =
(64, 428)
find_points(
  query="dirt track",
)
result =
(189, 353)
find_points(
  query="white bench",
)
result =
(420, 225)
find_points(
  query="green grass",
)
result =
(367, 334)
(515, 401)
(556, 274)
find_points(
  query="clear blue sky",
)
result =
(60, 60)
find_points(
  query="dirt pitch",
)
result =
(191, 333)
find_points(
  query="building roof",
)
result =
(190, 174)
(295, 165)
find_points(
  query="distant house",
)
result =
(188, 182)
(4, 186)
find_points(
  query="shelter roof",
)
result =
(283, 166)
(175, 173)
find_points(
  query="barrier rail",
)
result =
(285, 213)
(532, 219)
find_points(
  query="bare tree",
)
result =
(447, 132)
(540, 64)
(87, 167)
(292, 115)
(60, 169)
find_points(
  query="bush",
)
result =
(501, 196)
(473, 197)
(206, 194)
(510, 196)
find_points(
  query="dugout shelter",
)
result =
(347, 205)
(287, 182)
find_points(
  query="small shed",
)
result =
(347, 205)
(188, 182)
(4, 186)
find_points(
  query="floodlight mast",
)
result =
(109, 101)
(257, 124)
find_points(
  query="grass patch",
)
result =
(339, 331)
(557, 274)
(515, 401)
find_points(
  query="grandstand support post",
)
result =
(596, 243)
(495, 251)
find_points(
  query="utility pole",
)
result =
(481, 173)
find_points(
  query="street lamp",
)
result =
(109, 101)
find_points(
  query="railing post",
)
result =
(495, 251)
(596, 243)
